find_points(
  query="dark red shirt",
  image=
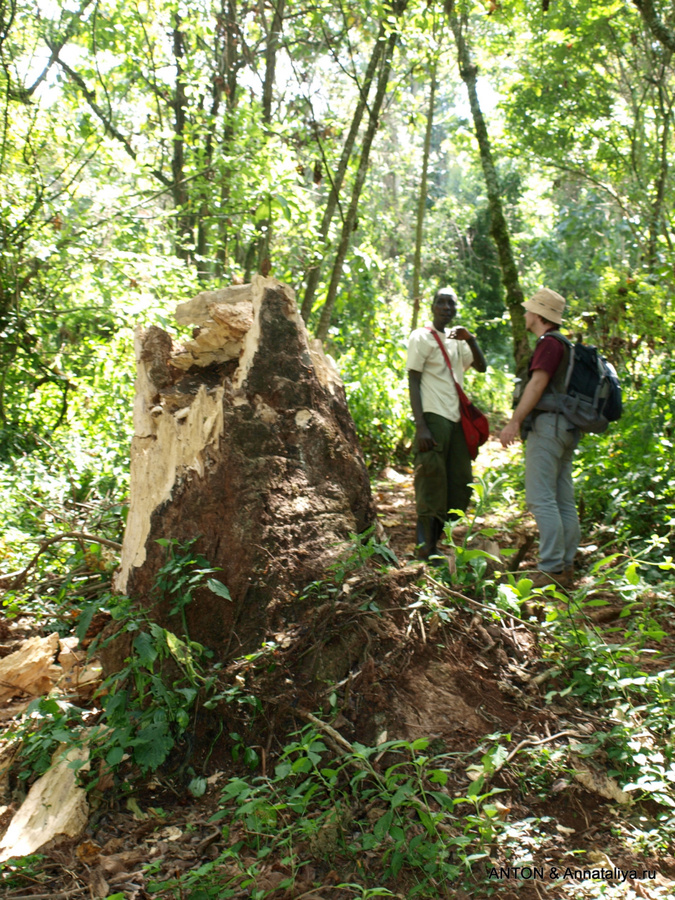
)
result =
(548, 355)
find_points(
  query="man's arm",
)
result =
(425, 439)
(463, 334)
(534, 388)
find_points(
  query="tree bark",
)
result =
(180, 194)
(655, 221)
(422, 201)
(242, 440)
(498, 224)
(336, 183)
(661, 31)
(271, 60)
(229, 64)
(350, 219)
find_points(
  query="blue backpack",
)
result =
(589, 394)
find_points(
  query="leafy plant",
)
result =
(408, 817)
(15, 872)
(46, 725)
(148, 706)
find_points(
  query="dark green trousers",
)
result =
(442, 475)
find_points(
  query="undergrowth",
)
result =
(385, 808)
(398, 815)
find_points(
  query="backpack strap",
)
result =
(561, 377)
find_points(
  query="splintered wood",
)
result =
(55, 807)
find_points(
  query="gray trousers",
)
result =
(549, 490)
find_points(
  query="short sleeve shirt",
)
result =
(439, 394)
(548, 354)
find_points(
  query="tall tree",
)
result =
(349, 222)
(594, 100)
(498, 224)
(337, 180)
(422, 198)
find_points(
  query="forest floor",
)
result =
(395, 654)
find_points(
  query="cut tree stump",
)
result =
(242, 441)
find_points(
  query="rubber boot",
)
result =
(427, 536)
(429, 532)
(436, 557)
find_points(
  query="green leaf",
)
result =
(383, 824)
(114, 756)
(145, 649)
(218, 588)
(443, 800)
(85, 617)
(251, 758)
(189, 693)
(197, 786)
(178, 649)
(427, 821)
(475, 787)
(605, 561)
(152, 745)
(632, 574)
(406, 790)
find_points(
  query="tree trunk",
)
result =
(662, 32)
(229, 63)
(263, 244)
(242, 440)
(656, 216)
(271, 60)
(422, 201)
(350, 219)
(498, 225)
(336, 183)
(184, 236)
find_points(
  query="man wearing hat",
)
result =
(550, 443)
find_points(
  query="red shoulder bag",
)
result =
(475, 425)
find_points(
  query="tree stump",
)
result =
(244, 442)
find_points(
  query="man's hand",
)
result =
(509, 433)
(460, 333)
(425, 439)
(531, 395)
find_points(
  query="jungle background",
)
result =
(364, 154)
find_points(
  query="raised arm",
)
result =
(459, 333)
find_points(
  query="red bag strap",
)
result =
(463, 399)
(445, 354)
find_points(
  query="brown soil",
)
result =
(396, 675)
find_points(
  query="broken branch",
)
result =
(13, 580)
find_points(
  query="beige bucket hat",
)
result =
(548, 304)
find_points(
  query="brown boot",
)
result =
(563, 579)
